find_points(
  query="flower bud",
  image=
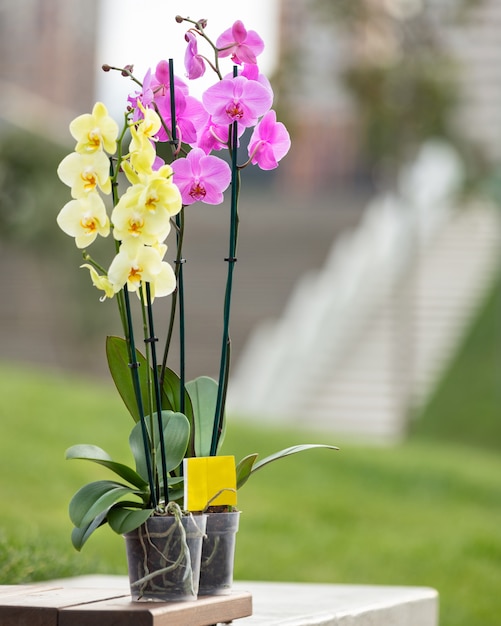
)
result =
(202, 23)
(128, 69)
(179, 19)
(106, 67)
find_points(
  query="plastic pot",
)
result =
(163, 557)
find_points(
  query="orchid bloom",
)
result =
(100, 282)
(269, 142)
(190, 115)
(143, 212)
(201, 177)
(237, 100)
(160, 81)
(215, 136)
(150, 124)
(142, 153)
(139, 215)
(251, 71)
(85, 172)
(243, 45)
(95, 131)
(84, 219)
(193, 62)
(135, 265)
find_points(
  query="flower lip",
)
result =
(197, 191)
(201, 177)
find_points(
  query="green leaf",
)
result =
(203, 394)
(176, 428)
(94, 498)
(117, 354)
(123, 520)
(244, 469)
(98, 455)
(80, 534)
(171, 400)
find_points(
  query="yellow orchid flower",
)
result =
(95, 131)
(134, 217)
(135, 265)
(100, 281)
(151, 122)
(142, 152)
(161, 193)
(85, 219)
(144, 210)
(85, 172)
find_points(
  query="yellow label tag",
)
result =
(209, 481)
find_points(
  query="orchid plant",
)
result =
(173, 418)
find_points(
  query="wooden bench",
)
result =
(105, 601)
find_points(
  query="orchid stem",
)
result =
(225, 347)
(156, 386)
(180, 226)
(134, 365)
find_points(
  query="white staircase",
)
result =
(365, 339)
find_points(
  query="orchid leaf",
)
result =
(176, 489)
(80, 534)
(171, 400)
(94, 498)
(117, 354)
(123, 520)
(246, 471)
(98, 455)
(176, 428)
(203, 394)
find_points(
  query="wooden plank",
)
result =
(38, 605)
(123, 612)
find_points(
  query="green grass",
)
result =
(466, 407)
(421, 513)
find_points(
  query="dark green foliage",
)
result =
(31, 194)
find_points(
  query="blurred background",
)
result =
(366, 301)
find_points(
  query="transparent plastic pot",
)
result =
(163, 557)
(218, 554)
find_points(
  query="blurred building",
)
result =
(47, 49)
(321, 41)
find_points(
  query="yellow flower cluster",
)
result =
(140, 219)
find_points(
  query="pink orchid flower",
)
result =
(160, 82)
(269, 142)
(201, 177)
(145, 97)
(237, 100)
(193, 62)
(190, 115)
(155, 85)
(243, 46)
(251, 71)
(214, 136)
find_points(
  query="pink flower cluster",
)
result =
(245, 98)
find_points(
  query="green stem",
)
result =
(151, 342)
(120, 298)
(225, 347)
(123, 301)
(179, 296)
(150, 383)
(134, 365)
